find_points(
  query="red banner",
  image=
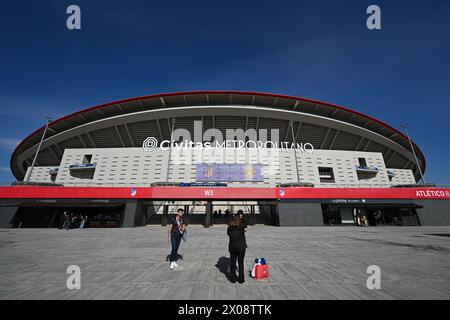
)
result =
(199, 193)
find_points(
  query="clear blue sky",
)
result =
(314, 49)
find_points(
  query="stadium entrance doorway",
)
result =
(371, 215)
(52, 216)
(209, 213)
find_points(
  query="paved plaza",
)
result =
(304, 263)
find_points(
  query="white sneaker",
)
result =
(172, 266)
(175, 264)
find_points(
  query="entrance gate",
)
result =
(209, 213)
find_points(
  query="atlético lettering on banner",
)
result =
(432, 193)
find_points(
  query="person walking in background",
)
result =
(236, 247)
(83, 222)
(176, 229)
(68, 222)
(63, 222)
(227, 214)
(73, 220)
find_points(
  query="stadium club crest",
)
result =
(209, 172)
(282, 192)
(133, 192)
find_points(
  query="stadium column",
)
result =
(208, 214)
(165, 215)
(252, 215)
(186, 214)
(8, 216)
(230, 218)
(132, 215)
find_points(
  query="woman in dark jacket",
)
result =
(237, 246)
(176, 230)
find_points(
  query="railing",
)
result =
(391, 173)
(33, 184)
(147, 185)
(83, 166)
(295, 184)
(353, 185)
(53, 171)
(370, 169)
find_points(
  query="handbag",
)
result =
(261, 271)
(185, 235)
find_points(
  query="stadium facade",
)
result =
(286, 161)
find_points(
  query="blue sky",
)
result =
(313, 49)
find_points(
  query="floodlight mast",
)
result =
(405, 126)
(27, 178)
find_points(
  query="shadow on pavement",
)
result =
(223, 264)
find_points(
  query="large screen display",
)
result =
(229, 172)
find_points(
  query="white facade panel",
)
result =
(41, 174)
(134, 166)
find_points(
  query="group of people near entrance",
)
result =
(72, 221)
(219, 214)
(237, 242)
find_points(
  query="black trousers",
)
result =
(175, 239)
(239, 255)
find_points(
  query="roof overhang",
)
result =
(168, 101)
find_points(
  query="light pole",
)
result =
(170, 150)
(291, 124)
(27, 178)
(405, 126)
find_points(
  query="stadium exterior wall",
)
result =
(300, 214)
(282, 206)
(97, 155)
(434, 213)
(134, 166)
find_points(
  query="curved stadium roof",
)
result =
(126, 123)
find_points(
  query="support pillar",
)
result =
(186, 214)
(132, 215)
(208, 214)
(252, 215)
(165, 215)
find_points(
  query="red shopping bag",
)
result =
(261, 271)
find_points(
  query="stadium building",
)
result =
(284, 160)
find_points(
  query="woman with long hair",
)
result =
(176, 229)
(236, 247)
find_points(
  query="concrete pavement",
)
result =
(304, 263)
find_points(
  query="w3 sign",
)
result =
(209, 193)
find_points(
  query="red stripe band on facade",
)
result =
(199, 193)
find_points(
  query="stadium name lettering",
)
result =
(239, 144)
(432, 193)
(251, 138)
